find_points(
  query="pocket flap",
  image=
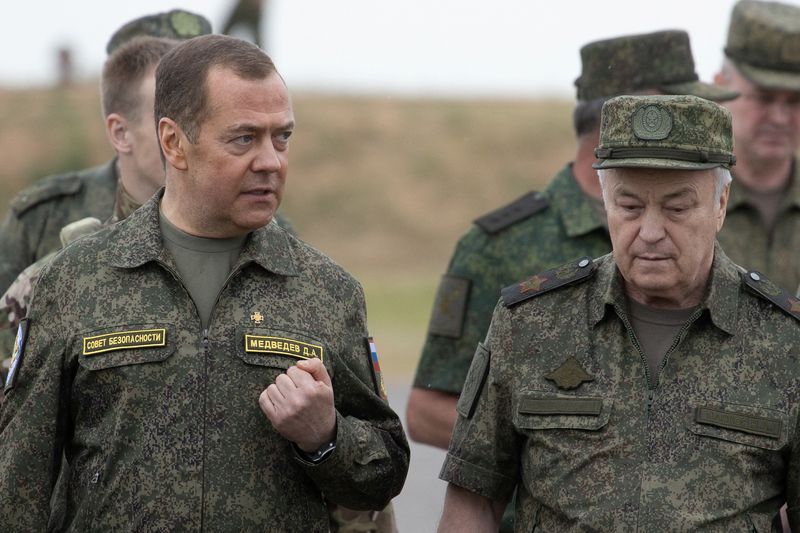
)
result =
(543, 411)
(742, 424)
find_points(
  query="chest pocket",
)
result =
(741, 424)
(123, 345)
(277, 348)
(552, 412)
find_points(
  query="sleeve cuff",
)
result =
(477, 479)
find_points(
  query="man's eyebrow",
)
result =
(685, 191)
(622, 192)
(246, 127)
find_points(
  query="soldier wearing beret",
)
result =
(762, 62)
(199, 367)
(539, 230)
(655, 388)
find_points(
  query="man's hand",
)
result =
(300, 405)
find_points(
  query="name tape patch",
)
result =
(282, 346)
(123, 340)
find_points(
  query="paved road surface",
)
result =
(419, 506)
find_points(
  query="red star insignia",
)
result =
(532, 285)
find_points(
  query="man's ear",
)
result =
(723, 206)
(117, 132)
(173, 143)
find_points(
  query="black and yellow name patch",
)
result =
(282, 346)
(124, 340)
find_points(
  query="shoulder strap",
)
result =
(45, 190)
(772, 293)
(518, 210)
(567, 274)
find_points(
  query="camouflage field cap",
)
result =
(659, 61)
(175, 24)
(764, 43)
(670, 132)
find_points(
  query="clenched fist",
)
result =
(300, 405)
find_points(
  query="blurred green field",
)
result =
(384, 185)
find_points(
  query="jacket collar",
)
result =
(721, 300)
(137, 240)
(577, 214)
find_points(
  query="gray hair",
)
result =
(722, 174)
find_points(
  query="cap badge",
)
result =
(652, 123)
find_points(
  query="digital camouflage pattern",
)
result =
(764, 43)
(669, 132)
(745, 239)
(175, 24)
(172, 437)
(710, 446)
(483, 263)
(653, 61)
(32, 225)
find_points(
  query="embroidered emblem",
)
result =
(123, 340)
(652, 123)
(532, 285)
(566, 271)
(569, 375)
(257, 318)
(282, 346)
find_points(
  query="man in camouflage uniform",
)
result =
(762, 62)
(151, 345)
(539, 230)
(655, 388)
(31, 228)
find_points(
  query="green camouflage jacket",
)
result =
(37, 214)
(558, 225)
(559, 404)
(159, 419)
(745, 240)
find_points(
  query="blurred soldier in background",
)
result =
(762, 62)
(539, 230)
(31, 228)
(245, 21)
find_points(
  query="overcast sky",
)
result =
(418, 47)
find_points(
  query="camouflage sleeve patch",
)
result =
(473, 386)
(447, 318)
(567, 274)
(44, 191)
(772, 293)
(508, 215)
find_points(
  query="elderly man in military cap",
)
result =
(762, 62)
(539, 230)
(655, 388)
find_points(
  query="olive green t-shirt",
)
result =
(203, 263)
(655, 330)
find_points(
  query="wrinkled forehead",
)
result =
(658, 183)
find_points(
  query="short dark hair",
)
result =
(181, 77)
(124, 71)
(586, 116)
